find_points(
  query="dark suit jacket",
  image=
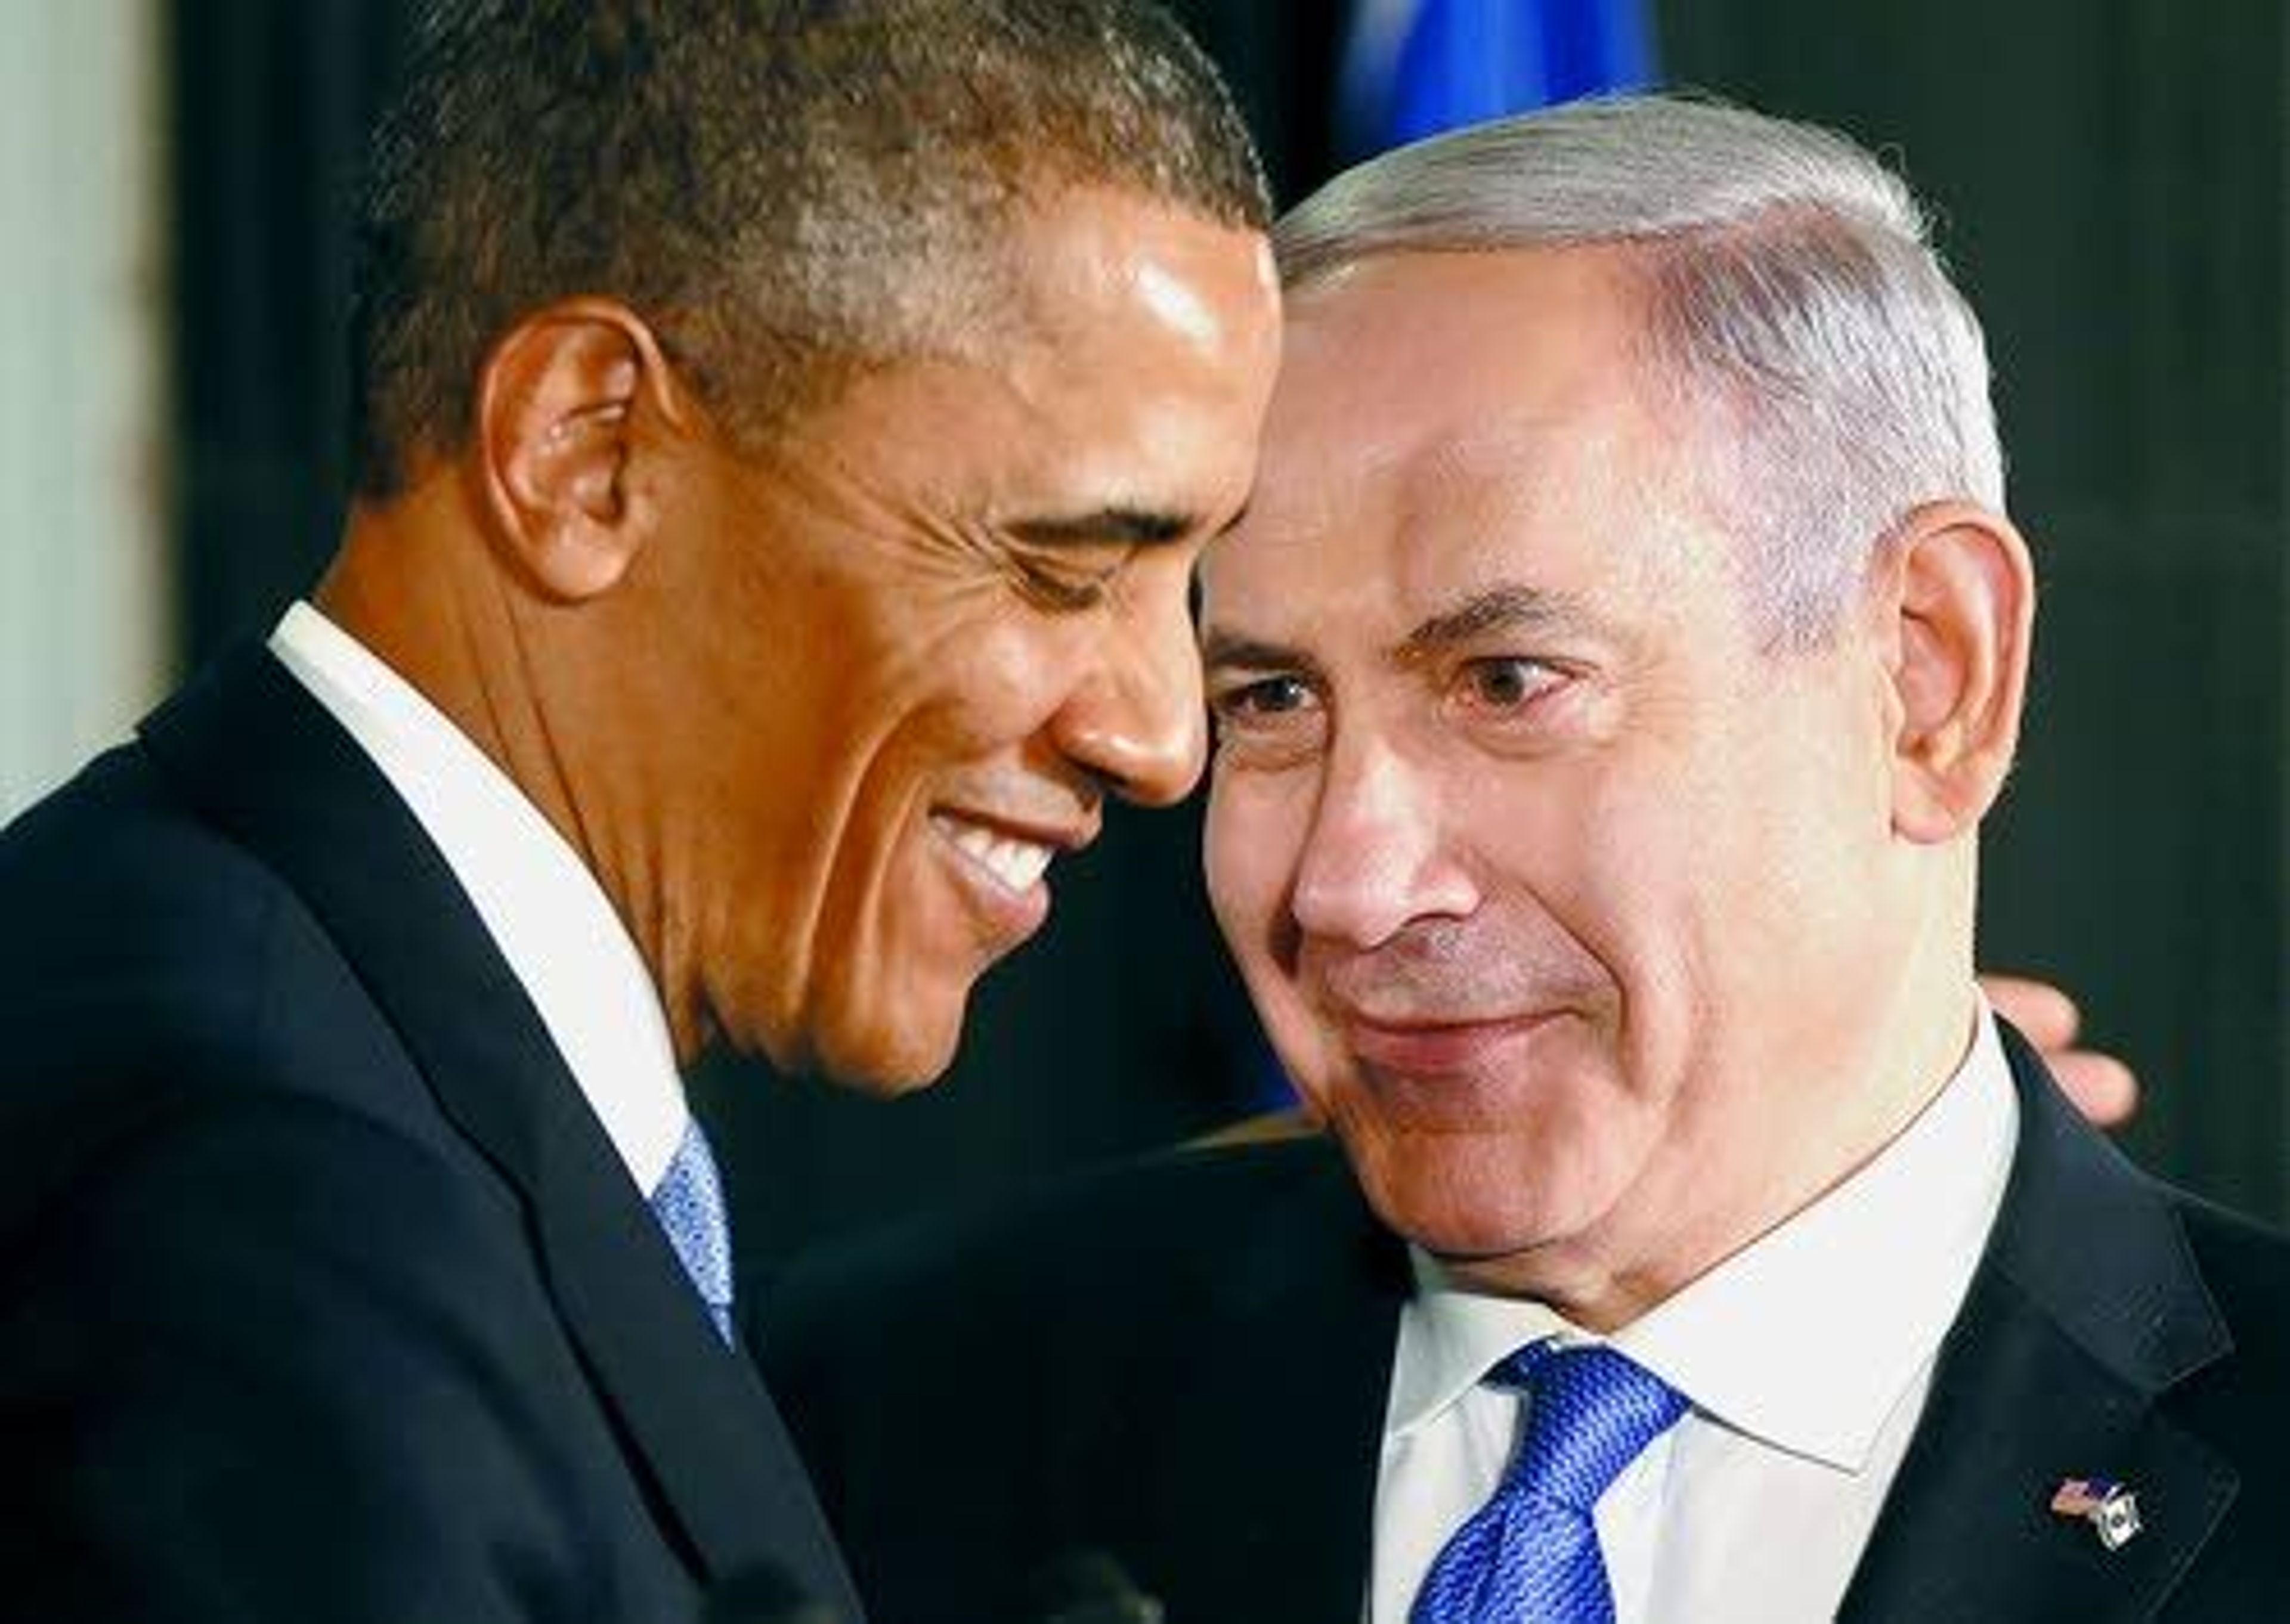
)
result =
(1184, 1365)
(324, 1297)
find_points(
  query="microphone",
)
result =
(766, 1595)
(1089, 1587)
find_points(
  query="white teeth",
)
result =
(1016, 865)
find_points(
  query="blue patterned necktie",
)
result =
(689, 1203)
(1530, 1556)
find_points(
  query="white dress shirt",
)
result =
(544, 909)
(1807, 1359)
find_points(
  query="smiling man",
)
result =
(786, 432)
(1624, 645)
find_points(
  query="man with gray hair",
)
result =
(1624, 643)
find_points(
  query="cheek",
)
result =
(1697, 879)
(1543, 1168)
(898, 726)
(993, 681)
(1249, 844)
(1228, 878)
(1605, 868)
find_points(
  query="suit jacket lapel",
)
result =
(1280, 1447)
(263, 759)
(2084, 1311)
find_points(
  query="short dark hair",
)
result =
(786, 189)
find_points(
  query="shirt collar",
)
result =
(1450, 1338)
(1809, 1337)
(545, 911)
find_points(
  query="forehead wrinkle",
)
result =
(1481, 470)
(1480, 453)
(1483, 477)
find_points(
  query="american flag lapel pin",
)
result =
(2109, 1506)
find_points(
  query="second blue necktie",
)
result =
(1530, 1556)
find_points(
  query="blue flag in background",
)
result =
(1415, 68)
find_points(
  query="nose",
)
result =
(1137, 723)
(1378, 856)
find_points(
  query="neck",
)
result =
(418, 585)
(424, 597)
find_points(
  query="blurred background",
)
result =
(2111, 180)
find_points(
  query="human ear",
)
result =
(1960, 590)
(557, 412)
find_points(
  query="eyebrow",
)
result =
(1506, 607)
(1502, 608)
(1117, 525)
(1224, 650)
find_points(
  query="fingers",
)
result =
(2100, 1086)
(2047, 1015)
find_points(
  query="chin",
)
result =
(875, 1025)
(896, 1081)
(888, 1055)
(886, 1065)
(1465, 1197)
(885, 1059)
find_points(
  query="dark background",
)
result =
(2111, 178)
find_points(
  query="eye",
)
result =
(1268, 722)
(1065, 589)
(1068, 576)
(1506, 683)
(1266, 697)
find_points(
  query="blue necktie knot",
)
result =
(1530, 1556)
(1590, 1412)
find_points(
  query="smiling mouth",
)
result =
(1013, 864)
(1435, 1046)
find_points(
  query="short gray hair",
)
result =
(1792, 294)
